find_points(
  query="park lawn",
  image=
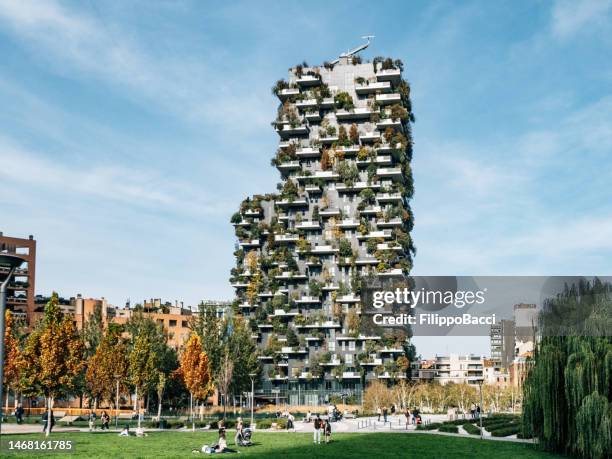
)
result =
(282, 445)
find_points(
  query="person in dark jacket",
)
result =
(45, 418)
(19, 414)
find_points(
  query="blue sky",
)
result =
(130, 132)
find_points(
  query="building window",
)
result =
(173, 323)
(331, 346)
(349, 359)
(351, 345)
(184, 324)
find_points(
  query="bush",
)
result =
(456, 422)
(432, 426)
(450, 428)
(264, 423)
(524, 435)
(471, 429)
(506, 431)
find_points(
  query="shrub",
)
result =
(264, 423)
(506, 431)
(432, 426)
(450, 428)
(471, 429)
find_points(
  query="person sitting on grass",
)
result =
(125, 432)
(140, 432)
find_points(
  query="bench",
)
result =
(126, 416)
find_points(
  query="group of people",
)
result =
(413, 417)
(93, 418)
(475, 411)
(324, 426)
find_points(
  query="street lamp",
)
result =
(480, 381)
(12, 262)
(252, 376)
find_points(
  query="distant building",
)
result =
(21, 289)
(510, 338)
(454, 368)
(502, 343)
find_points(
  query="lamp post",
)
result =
(480, 381)
(12, 262)
(252, 376)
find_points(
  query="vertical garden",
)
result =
(568, 391)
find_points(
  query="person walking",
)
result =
(317, 430)
(290, 421)
(378, 412)
(19, 414)
(415, 413)
(92, 420)
(46, 419)
(105, 420)
(407, 414)
(327, 431)
(239, 427)
(473, 411)
(385, 414)
(477, 411)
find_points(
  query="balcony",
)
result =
(357, 186)
(287, 130)
(373, 88)
(308, 225)
(328, 140)
(371, 362)
(370, 210)
(306, 104)
(391, 75)
(385, 234)
(350, 375)
(267, 294)
(330, 287)
(389, 223)
(288, 166)
(391, 350)
(250, 243)
(349, 151)
(383, 160)
(291, 350)
(366, 261)
(348, 223)
(389, 172)
(325, 175)
(386, 246)
(332, 363)
(309, 80)
(286, 238)
(388, 123)
(240, 284)
(308, 152)
(253, 212)
(388, 197)
(323, 249)
(281, 313)
(299, 202)
(285, 94)
(329, 213)
(348, 299)
(328, 102)
(242, 223)
(369, 136)
(308, 300)
(313, 116)
(391, 272)
(291, 276)
(312, 189)
(385, 99)
(355, 114)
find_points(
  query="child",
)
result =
(327, 431)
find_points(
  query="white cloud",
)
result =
(70, 41)
(142, 188)
(570, 17)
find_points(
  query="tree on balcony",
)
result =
(344, 101)
(348, 172)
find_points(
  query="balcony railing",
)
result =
(308, 225)
(384, 99)
(354, 114)
(372, 88)
(392, 75)
(309, 80)
(308, 152)
(394, 172)
(284, 94)
(287, 130)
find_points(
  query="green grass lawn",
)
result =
(283, 445)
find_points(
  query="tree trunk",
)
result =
(137, 407)
(159, 406)
(8, 392)
(49, 417)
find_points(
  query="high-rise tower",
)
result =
(341, 213)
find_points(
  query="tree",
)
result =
(195, 370)
(210, 328)
(147, 345)
(377, 395)
(354, 134)
(243, 353)
(12, 359)
(93, 331)
(225, 378)
(53, 356)
(107, 367)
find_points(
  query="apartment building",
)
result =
(341, 213)
(453, 368)
(511, 338)
(502, 343)
(21, 290)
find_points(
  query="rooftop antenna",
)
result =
(355, 50)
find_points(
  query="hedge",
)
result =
(506, 431)
(471, 429)
(450, 428)
(432, 426)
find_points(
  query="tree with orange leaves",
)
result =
(195, 371)
(52, 357)
(12, 358)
